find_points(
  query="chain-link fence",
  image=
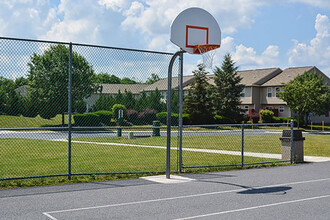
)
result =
(115, 123)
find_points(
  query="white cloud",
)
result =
(247, 57)
(82, 30)
(316, 3)
(317, 51)
(156, 16)
(115, 5)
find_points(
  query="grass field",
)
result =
(24, 157)
(7, 121)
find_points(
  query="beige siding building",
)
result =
(260, 92)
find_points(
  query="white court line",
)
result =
(227, 152)
(254, 207)
(174, 198)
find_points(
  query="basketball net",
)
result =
(208, 52)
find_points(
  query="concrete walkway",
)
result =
(235, 153)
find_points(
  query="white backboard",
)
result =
(194, 26)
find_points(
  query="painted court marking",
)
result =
(48, 214)
(255, 207)
(235, 153)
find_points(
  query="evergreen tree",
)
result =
(155, 100)
(197, 102)
(128, 100)
(227, 90)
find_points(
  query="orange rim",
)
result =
(203, 48)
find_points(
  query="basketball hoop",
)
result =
(207, 51)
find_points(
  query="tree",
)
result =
(306, 94)
(197, 102)
(106, 78)
(48, 80)
(127, 81)
(154, 100)
(227, 90)
(21, 81)
(153, 78)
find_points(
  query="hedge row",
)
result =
(162, 117)
(94, 119)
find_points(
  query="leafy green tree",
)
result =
(227, 90)
(306, 94)
(197, 102)
(21, 81)
(127, 81)
(153, 78)
(48, 80)
(106, 78)
(104, 103)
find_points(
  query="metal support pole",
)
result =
(242, 146)
(180, 109)
(70, 111)
(168, 100)
(291, 143)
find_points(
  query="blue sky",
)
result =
(258, 33)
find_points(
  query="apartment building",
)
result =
(260, 92)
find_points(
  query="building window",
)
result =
(277, 90)
(269, 92)
(281, 109)
(269, 107)
(246, 108)
(243, 93)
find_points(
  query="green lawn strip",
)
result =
(317, 145)
(314, 145)
(23, 157)
(253, 143)
(7, 121)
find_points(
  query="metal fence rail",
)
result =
(74, 109)
(43, 152)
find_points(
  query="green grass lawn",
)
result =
(23, 157)
(7, 121)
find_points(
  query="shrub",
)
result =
(132, 116)
(266, 116)
(115, 108)
(104, 117)
(186, 119)
(147, 116)
(87, 119)
(218, 119)
(162, 117)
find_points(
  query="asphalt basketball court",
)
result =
(286, 192)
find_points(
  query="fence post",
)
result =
(180, 110)
(70, 111)
(242, 146)
(291, 143)
(168, 100)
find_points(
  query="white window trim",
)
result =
(281, 109)
(269, 91)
